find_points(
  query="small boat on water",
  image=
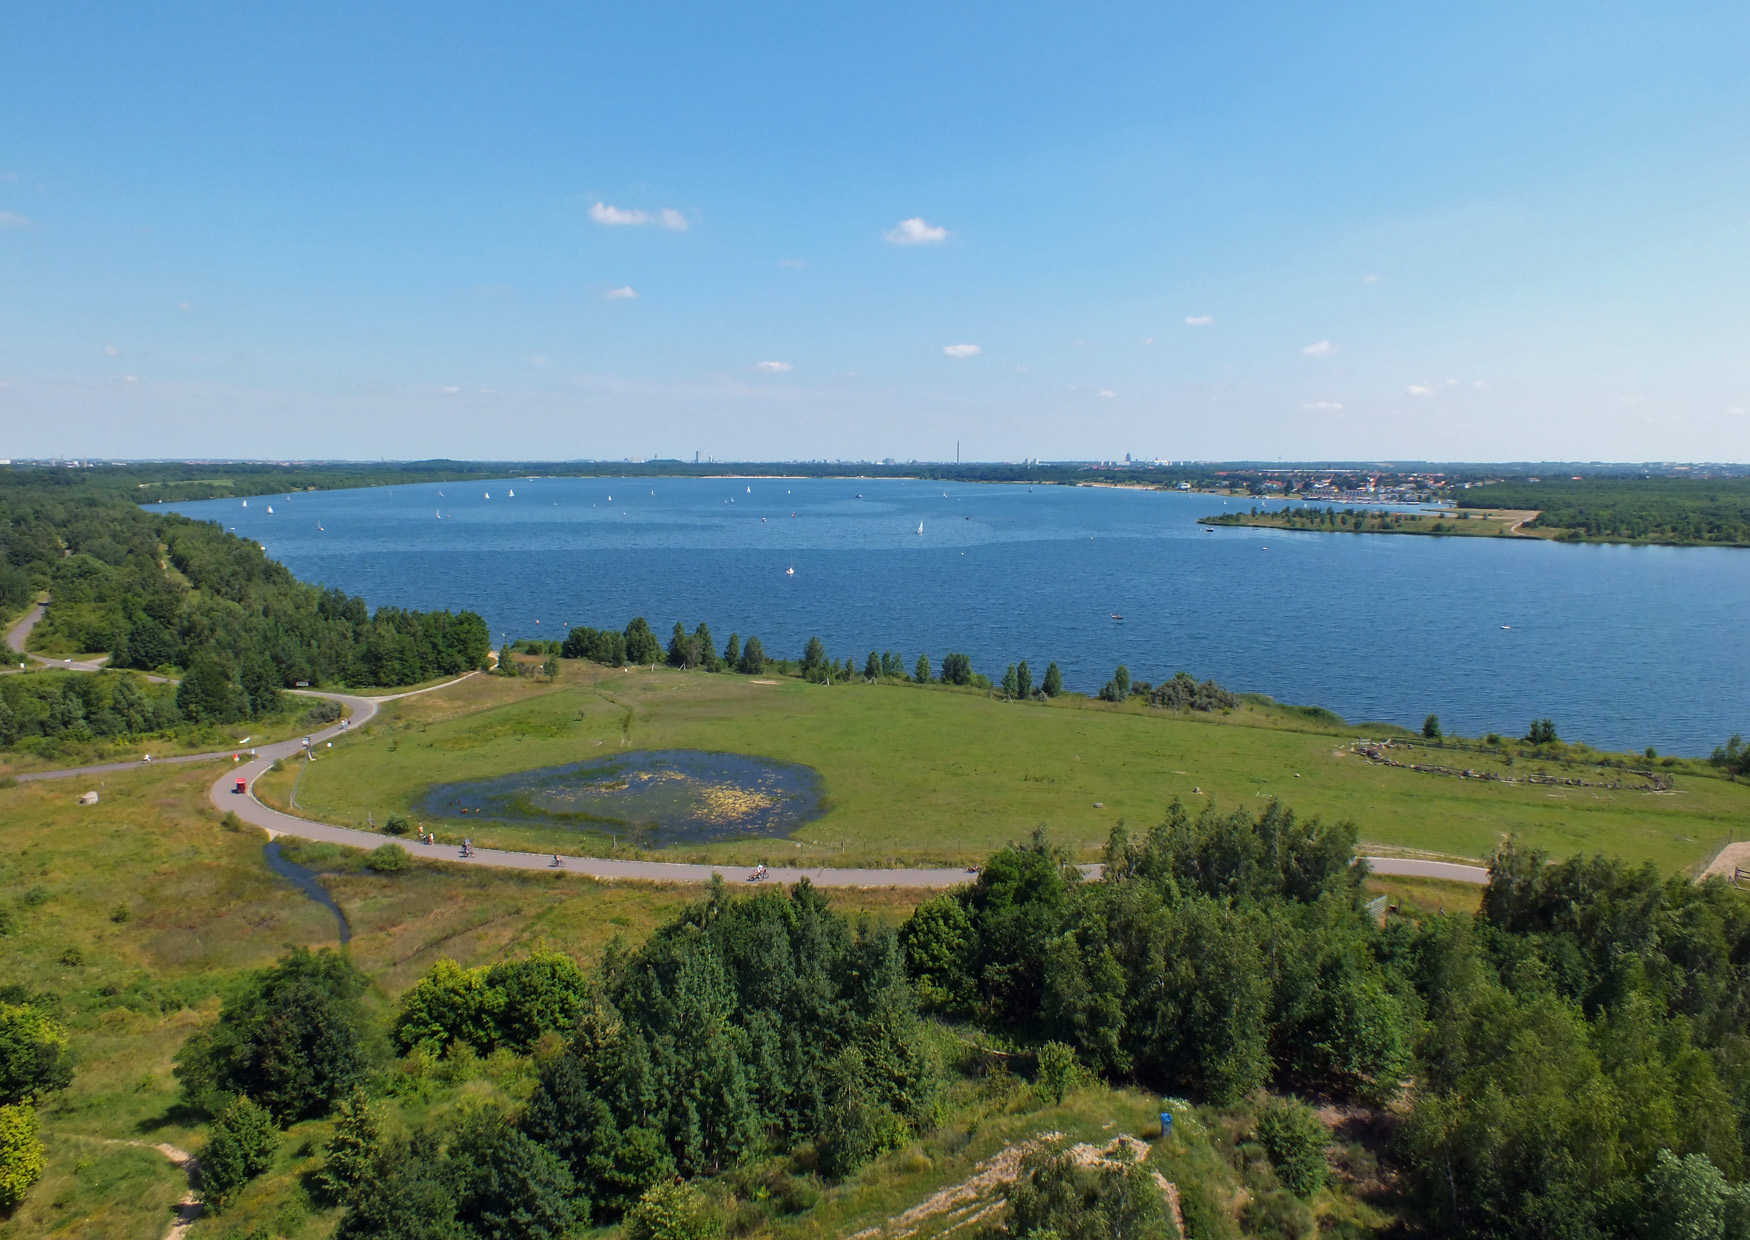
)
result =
(920, 527)
(513, 495)
(440, 514)
(270, 510)
(246, 503)
(791, 571)
(488, 494)
(1115, 616)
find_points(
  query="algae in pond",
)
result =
(661, 796)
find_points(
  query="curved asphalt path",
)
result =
(274, 822)
(224, 795)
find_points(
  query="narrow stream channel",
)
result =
(307, 881)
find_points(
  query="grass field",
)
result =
(918, 776)
(1473, 523)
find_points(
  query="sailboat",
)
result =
(270, 510)
(513, 495)
(246, 503)
(489, 495)
(791, 571)
(750, 490)
(920, 527)
(440, 514)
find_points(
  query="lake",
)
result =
(1621, 646)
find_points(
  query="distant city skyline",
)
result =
(1455, 233)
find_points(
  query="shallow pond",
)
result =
(646, 797)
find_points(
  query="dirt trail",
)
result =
(189, 1208)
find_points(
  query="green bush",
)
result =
(389, 859)
(1295, 1141)
(240, 1146)
(357, 1140)
(398, 824)
(34, 1059)
(1059, 1072)
(671, 1212)
(21, 1154)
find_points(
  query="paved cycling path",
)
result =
(224, 795)
(275, 822)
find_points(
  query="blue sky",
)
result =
(1465, 231)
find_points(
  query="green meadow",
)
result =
(918, 776)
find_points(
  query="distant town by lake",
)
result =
(1622, 646)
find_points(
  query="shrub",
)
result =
(230, 821)
(389, 859)
(21, 1154)
(73, 956)
(1295, 1140)
(671, 1212)
(357, 1140)
(398, 824)
(1059, 1072)
(240, 1147)
(326, 710)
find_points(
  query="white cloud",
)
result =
(130, 378)
(537, 359)
(1323, 348)
(1738, 409)
(1452, 383)
(625, 293)
(1322, 406)
(916, 232)
(601, 213)
(792, 262)
(1108, 394)
(184, 307)
(11, 219)
(1370, 279)
(1419, 389)
(1481, 385)
(615, 217)
(1199, 320)
(451, 390)
(775, 368)
(109, 350)
(962, 350)
(1149, 341)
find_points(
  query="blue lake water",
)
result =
(648, 797)
(1621, 646)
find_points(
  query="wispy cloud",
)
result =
(185, 307)
(109, 350)
(1370, 279)
(624, 293)
(1199, 320)
(1481, 385)
(792, 262)
(776, 368)
(450, 390)
(1735, 409)
(1322, 406)
(916, 232)
(961, 350)
(1107, 394)
(1322, 348)
(11, 219)
(130, 378)
(633, 217)
(1419, 389)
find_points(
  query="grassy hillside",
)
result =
(915, 776)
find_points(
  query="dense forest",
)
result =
(158, 591)
(1569, 1062)
(1662, 510)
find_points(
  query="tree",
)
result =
(21, 1154)
(1541, 732)
(1011, 683)
(1053, 681)
(1059, 1072)
(510, 1187)
(732, 653)
(642, 648)
(872, 667)
(290, 1039)
(34, 1058)
(814, 664)
(1431, 727)
(921, 673)
(956, 669)
(753, 658)
(1121, 678)
(1023, 680)
(683, 651)
(356, 1142)
(705, 649)
(387, 859)
(240, 1146)
(206, 694)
